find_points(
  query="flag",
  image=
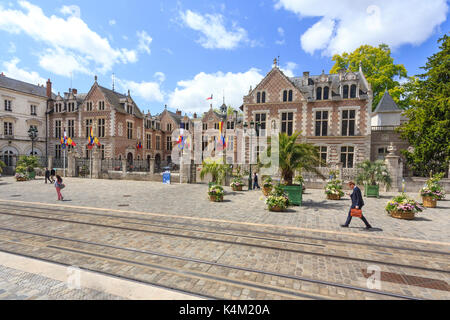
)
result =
(210, 98)
(222, 137)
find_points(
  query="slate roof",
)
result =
(115, 99)
(387, 104)
(24, 87)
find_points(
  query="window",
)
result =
(205, 126)
(158, 126)
(158, 142)
(148, 124)
(186, 126)
(353, 91)
(58, 151)
(71, 128)
(33, 109)
(169, 127)
(216, 126)
(382, 152)
(58, 134)
(258, 97)
(323, 153)
(71, 107)
(88, 106)
(8, 128)
(345, 93)
(89, 123)
(58, 107)
(101, 105)
(149, 141)
(263, 97)
(348, 122)
(169, 143)
(347, 156)
(129, 109)
(101, 128)
(326, 93)
(230, 125)
(290, 95)
(285, 93)
(261, 118)
(130, 130)
(8, 105)
(287, 123)
(319, 93)
(102, 149)
(321, 123)
(204, 143)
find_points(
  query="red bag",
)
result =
(357, 213)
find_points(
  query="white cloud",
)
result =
(72, 10)
(12, 47)
(148, 91)
(62, 63)
(289, 68)
(112, 22)
(280, 31)
(11, 70)
(347, 24)
(70, 36)
(190, 95)
(144, 41)
(214, 33)
(160, 76)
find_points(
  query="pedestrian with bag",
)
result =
(357, 205)
(255, 183)
(47, 176)
(53, 174)
(59, 186)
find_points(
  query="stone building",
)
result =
(24, 105)
(332, 111)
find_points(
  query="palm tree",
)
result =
(217, 169)
(373, 172)
(296, 156)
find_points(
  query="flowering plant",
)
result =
(277, 198)
(236, 183)
(216, 191)
(403, 203)
(21, 177)
(433, 188)
(268, 182)
(334, 187)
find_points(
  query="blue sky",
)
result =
(180, 52)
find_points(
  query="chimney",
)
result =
(195, 115)
(178, 112)
(306, 75)
(49, 89)
(74, 91)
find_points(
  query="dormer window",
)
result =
(345, 92)
(353, 91)
(285, 94)
(290, 95)
(319, 93)
(326, 93)
(263, 97)
(258, 97)
(129, 109)
(101, 105)
(88, 106)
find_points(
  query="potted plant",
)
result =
(277, 201)
(21, 174)
(217, 169)
(333, 190)
(29, 163)
(293, 157)
(371, 174)
(298, 180)
(216, 193)
(403, 207)
(267, 186)
(237, 184)
(432, 191)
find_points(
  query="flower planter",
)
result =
(333, 197)
(406, 215)
(276, 209)
(295, 194)
(266, 191)
(237, 188)
(32, 175)
(429, 202)
(216, 199)
(372, 191)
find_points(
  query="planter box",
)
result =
(237, 188)
(372, 191)
(216, 199)
(333, 197)
(429, 202)
(266, 191)
(276, 209)
(295, 194)
(406, 215)
(32, 175)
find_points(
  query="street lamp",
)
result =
(33, 134)
(252, 126)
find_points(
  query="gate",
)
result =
(82, 168)
(11, 164)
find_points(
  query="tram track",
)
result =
(235, 242)
(213, 277)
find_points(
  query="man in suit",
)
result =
(357, 203)
(47, 176)
(53, 174)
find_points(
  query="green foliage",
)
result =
(428, 128)
(403, 203)
(267, 182)
(27, 163)
(378, 68)
(299, 180)
(433, 188)
(293, 156)
(372, 173)
(277, 198)
(2, 165)
(334, 186)
(217, 192)
(237, 182)
(217, 169)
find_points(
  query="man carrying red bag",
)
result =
(358, 204)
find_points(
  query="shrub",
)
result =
(334, 186)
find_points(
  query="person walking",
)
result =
(357, 203)
(53, 174)
(59, 186)
(255, 182)
(47, 176)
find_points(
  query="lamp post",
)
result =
(252, 126)
(32, 133)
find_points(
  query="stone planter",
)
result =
(333, 197)
(405, 215)
(276, 209)
(429, 202)
(237, 188)
(372, 191)
(295, 194)
(266, 191)
(216, 199)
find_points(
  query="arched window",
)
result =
(319, 93)
(263, 97)
(345, 93)
(285, 96)
(290, 95)
(353, 91)
(326, 93)
(258, 97)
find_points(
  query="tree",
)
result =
(378, 68)
(217, 169)
(373, 172)
(428, 128)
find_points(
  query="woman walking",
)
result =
(59, 186)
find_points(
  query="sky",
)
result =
(178, 53)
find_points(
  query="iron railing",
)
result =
(111, 165)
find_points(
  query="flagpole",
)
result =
(64, 162)
(91, 161)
